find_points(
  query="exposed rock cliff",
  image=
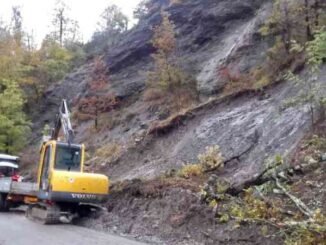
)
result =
(248, 128)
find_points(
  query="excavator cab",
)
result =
(61, 177)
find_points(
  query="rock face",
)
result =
(210, 34)
(249, 129)
(73, 86)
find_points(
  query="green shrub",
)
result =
(317, 142)
(211, 159)
(262, 82)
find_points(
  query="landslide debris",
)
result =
(199, 210)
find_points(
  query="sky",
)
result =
(37, 14)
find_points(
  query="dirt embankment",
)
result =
(170, 211)
(173, 210)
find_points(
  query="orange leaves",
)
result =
(164, 37)
(101, 101)
(100, 75)
(98, 104)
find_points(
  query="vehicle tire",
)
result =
(4, 205)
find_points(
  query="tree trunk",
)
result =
(286, 35)
(61, 20)
(307, 19)
(96, 113)
(316, 9)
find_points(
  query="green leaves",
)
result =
(113, 20)
(14, 126)
(317, 49)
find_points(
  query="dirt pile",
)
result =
(170, 211)
(174, 210)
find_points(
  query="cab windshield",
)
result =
(67, 158)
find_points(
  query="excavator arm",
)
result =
(63, 121)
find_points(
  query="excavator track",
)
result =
(44, 214)
(90, 210)
(52, 214)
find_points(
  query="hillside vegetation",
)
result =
(208, 116)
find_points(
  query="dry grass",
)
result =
(191, 170)
(82, 117)
(166, 103)
(164, 126)
(178, 118)
(212, 159)
(109, 122)
(110, 152)
(153, 94)
(156, 187)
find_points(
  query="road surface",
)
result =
(15, 229)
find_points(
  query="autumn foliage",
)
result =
(99, 100)
(168, 85)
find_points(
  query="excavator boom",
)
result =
(63, 121)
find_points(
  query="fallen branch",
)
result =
(310, 225)
(264, 176)
(300, 205)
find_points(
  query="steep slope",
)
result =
(209, 34)
(247, 127)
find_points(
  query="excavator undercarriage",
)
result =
(56, 213)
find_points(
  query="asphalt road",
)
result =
(15, 229)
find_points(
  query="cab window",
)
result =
(46, 162)
(67, 158)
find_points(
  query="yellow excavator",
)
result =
(62, 191)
